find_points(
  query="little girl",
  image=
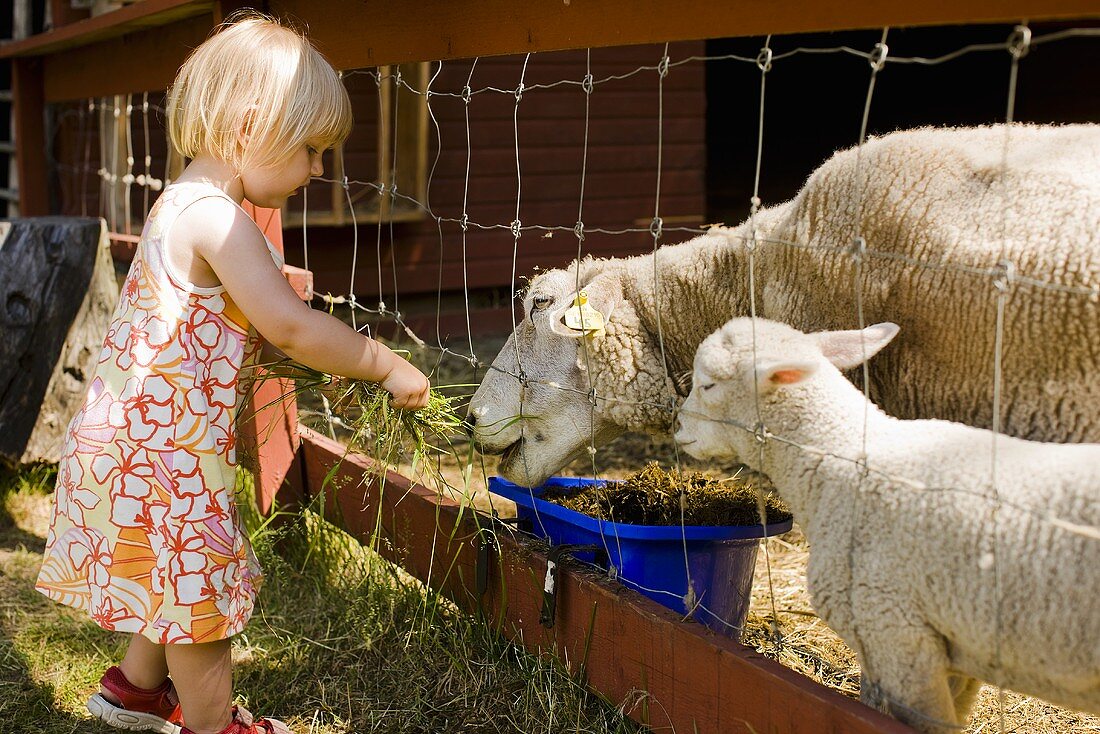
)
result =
(145, 535)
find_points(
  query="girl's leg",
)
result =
(203, 674)
(144, 664)
(137, 693)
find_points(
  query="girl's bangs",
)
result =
(331, 119)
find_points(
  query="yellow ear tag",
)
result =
(582, 317)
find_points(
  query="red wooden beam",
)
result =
(136, 16)
(426, 30)
(699, 681)
(30, 137)
(119, 52)
(270, 422)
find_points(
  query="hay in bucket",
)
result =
(654, 496)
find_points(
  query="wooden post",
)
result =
(410, 131)
(271, 432)
(63, 13)
(29, 110)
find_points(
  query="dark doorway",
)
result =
(814, 102)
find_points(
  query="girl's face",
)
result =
(271, 186)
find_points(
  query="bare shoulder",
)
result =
(211, 223)
(233, 247)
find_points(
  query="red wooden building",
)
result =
(452, 156)
(442, 159)
(700, 682)
(420, 255)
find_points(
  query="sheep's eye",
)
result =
(541, 302)
(707, 387)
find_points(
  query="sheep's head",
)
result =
(534, 405)
(748, 366)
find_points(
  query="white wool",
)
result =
(939, 196)
(900, 515)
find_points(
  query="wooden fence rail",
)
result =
(627, 644)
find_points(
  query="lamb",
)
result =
(911, 553)
(934, 195)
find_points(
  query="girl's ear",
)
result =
(771, 376)
(248, 120)
(848, 349)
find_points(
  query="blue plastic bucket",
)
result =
(650, 558)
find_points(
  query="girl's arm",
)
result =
(270, 353)
(236, 251)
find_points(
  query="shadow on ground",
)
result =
(39, 641)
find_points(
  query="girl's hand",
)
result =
(408, 385)
(334, 389)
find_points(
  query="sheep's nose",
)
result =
(470, 423)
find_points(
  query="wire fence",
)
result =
(122, 169)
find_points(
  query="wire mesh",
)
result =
(115, 171)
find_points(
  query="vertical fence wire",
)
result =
(1018, 44)
(764, 63)
(1003, 276)
(877, 61)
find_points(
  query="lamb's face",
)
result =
(735, 367)
(545, 422)
(744, 375)
(708, 417)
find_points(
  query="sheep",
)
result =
(935, 195)
(936, 577)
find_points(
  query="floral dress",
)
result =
(145, 535)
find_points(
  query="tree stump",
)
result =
(57, 294)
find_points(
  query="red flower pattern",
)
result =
(144, 534)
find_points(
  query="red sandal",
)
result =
(243, 723)
(140, 709)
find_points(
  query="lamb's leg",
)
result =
(965, 690)
(905, 675)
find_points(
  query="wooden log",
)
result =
(57, 294)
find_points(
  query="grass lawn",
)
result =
(341, 642)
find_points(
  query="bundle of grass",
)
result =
(377, 429)
(654, 496)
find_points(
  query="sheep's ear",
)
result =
(773, 375)
(558, 327)
(604, 292)
(601, 295)
(848, 349)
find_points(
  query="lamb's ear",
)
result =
(848, 349)
(773, 375)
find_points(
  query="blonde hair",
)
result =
(256, 74)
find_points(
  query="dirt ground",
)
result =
(804, 642)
